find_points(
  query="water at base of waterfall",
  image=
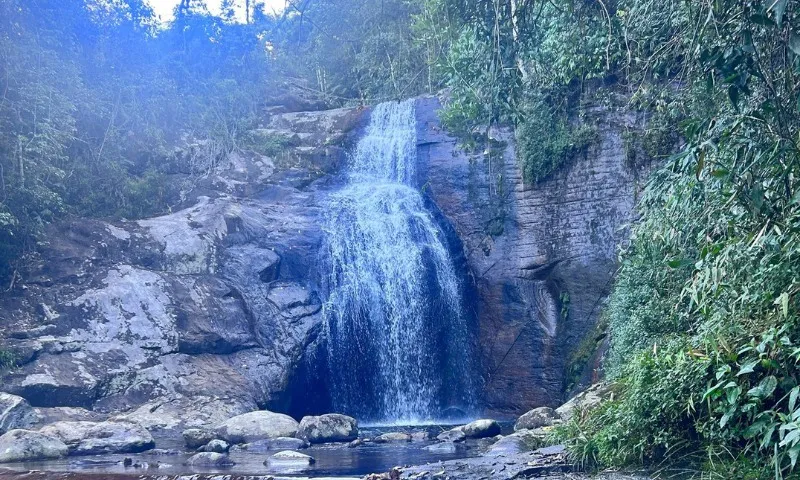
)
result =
(397, 341)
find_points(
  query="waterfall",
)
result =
(398, 348)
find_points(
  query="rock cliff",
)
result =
(188, 318)
(542, 256)
(214, 310)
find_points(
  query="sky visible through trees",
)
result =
(164, 9)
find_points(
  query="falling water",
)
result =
(396, 334)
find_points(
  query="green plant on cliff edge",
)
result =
(7, 360)
(547, 140)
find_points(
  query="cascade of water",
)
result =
(397, 340)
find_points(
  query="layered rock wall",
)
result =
(542, 256)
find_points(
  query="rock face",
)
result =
(214, 310)
(542, 256)
(89, 438)
(254, 426)
(15, 413)
(25, 445)
(193, 317)
(328, 428)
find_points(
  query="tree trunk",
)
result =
(515, 4)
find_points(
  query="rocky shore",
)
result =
(244, 446)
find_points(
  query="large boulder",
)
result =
(586, 400)
(452, 435)
(327, 428)
(509, 445)
(520, 441)
(15, 413)
(197, 437)
(258, 425)
(538, 417)
(481, 429)
(26, 445)
(216, 446)
(90, 438)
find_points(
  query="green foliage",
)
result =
(703, 318)
(7, 360)
(586, 351)
(707, 289)
(650, 418)
(95, 99)
(547, 140)
(354, 51)
(268, 144)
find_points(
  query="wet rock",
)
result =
(259, 425)
(15, 413)
(585, 400)
(551, 450)
(445, 447)
(164, 452)
(481, 429)
(452, 435)
(355, 443)
(538, 417)
(328, 428)
(197, 437)
(280, 443)
(291, 457)
(26, 445)
(293, 300)
(508, 446)
(421, 436)
(216, 446)
(392, 437)
(210, 459)
(90, 438)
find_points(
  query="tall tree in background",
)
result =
(354, 50)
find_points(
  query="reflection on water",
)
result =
(331, 460)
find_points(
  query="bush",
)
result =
(548, 139)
